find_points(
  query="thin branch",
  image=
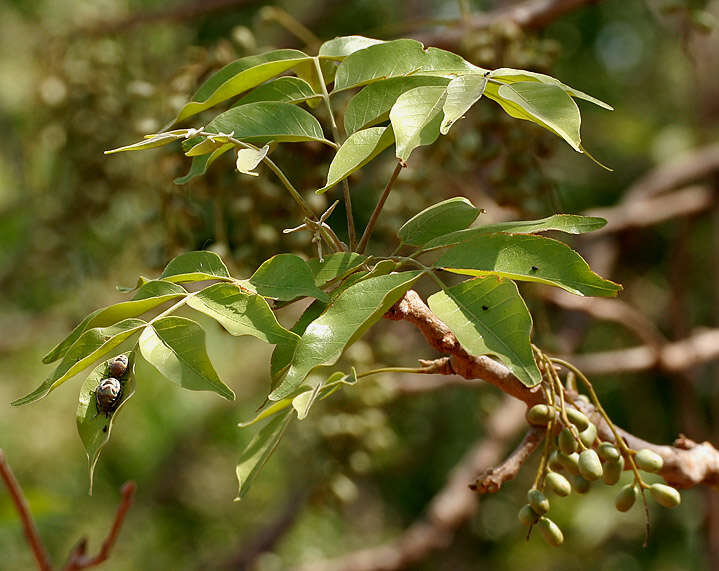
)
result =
(23, 510)
(377, 209)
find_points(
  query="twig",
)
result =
(23, 510)
(377, 209)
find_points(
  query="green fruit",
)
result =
(554, 462)
(613, 471)
(540, 414)
(589, 465)
(580, 485)
(648, 461)
(527, 516)
(570, 462)
(577, 419)
(607, 451)
(558, 484)
(665, 495)
(538, 501)
(567, 443)
(626, 497)
(588, 435)
(550, 531)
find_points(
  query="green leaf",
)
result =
(240, 313)
(147, 297)
(340, 48)
(345, 319)
(398, 58)
(285, 89)
(195, 267)
(527, 258)
(548, 106)
(509, 75)
(337, 265)
(373, 103)
(416, 117)
(254, 457)
(91, 346)
(439, 219)
(93, 426)
(359, 149)
(569, 223)
(150, 143)
(285, 277)
(462, 92)
(239, 76)
(488, 316)
(200, 164)
(175, 347)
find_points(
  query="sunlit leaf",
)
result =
(416, 117)
(462, 92)
(285, 277)
(151, 143)
(441, 218)
(194, 267)
(335, 266)
(339, 48)
(287, 89)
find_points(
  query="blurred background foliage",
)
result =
(78, 77)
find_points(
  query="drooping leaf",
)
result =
(175, 347)
(488, 316)
(94, 426)
(462, 92)
(548, 106)
(335, 266)
(569, 223)
(526, 257)
(194, 267)
(241, 313)
(339, 48)
(287, 89)
(239, 76)
(416, 117)
(285, 277)
(91, 346)
(158, 140)
(258, 451)
(200, 164)
(439, 219)
(148, 296)
(345, 319)
(359, 149)
(373, 103)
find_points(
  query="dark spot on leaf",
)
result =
(485, 308)
(534, 268)
(104, 428)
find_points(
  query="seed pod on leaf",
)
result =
(588, 435)
(577, 419)
(538, 501)
(648, 460)
(607, 451)
(540, 414)
(613, 471)
(558, 484)
(626, 497)
(665, 495)
(550, 531)
(589, 465)
(567, 443)
(527, 516)
(570, 462)
(581, 485)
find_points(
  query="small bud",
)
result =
(538, 501)
(613, 471)
(626, 497)
(567, 443)
(558, 484)
(588, 435)
(589, 465)
(648, 461)
(607, 451)
(527, 516)
(577, 419)
(550, 531)
(580, 484)
(665, 495)
(540, 414)
(570, 462)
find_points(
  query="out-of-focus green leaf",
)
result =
(335, 266)
(239, 76)
(254, 457)
(93, 426)
(241, 313)
(339, 48)
(151, 143)
(462, 92)
(287, 89)
(439, 219)
(285, 277)
(359, 149)
(488, 316)
(175, 347)
(569, 223)
(373, 103)
(526, 257)
(200, 164)
(345, 319)
(194, 267)
(416, 117)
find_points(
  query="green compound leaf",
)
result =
(345, 319)
(462, 92)
(569, 223)
(148, 296)
(358, 150)
(239, 76)
(373, 103)
(93, 426)
(337, 265)
(339, 48)
(489, 317)
(285, 277)
(175, 347)
(527, 258)
(91, 346)
(416, 117)
(241, 313)
(287, 89)
(195, 267)
(259, 450)
(439, 219)
(200, 164)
